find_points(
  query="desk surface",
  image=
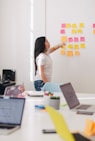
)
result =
(35, 120)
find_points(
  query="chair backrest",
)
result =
(51, 87)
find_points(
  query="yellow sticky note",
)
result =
(69, 53)
(76, 46)
(60, 124)
(76, 53)
(68, 25)
(74, 31)
(64, 38)
(74, 26)
(81, 25)
(79, 30)
(82, 45)
(70, 46)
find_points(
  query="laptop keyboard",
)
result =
(84, 107)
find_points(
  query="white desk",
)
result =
(35, 120)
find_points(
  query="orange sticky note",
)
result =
(69, 53)
(64, 38)
(76, 53)
(94, 31)
(62, 52)
(89, 128)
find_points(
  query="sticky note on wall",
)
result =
(76, 53)
(62, 52)
(64, 38)
(82, 45)
(70, 46)
(81, 25)
(69, 53)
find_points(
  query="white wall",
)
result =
(78, 70)
(15, 39)
(15, 36)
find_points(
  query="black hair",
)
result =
(39, 48)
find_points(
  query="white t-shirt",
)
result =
(44, 59)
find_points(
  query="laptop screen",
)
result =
(69, 95)
(11, 111)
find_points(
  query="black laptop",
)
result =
(11, 113)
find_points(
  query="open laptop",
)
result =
(14, 91)
(11, 113)
(72, 100)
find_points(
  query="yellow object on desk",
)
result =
(60, 124)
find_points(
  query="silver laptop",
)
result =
(11, 113)
(14, 91)
(72, 100)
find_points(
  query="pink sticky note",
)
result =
(63, 25)
(82, 39)
(76, 39)
(70, 39)
(62, 31)
(94, 25)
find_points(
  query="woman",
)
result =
(43, 62)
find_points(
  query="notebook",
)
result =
(11, 113)
(14, 91)
(72, 100)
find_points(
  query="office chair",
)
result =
(51, 87)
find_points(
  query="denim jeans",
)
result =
(38, 84)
